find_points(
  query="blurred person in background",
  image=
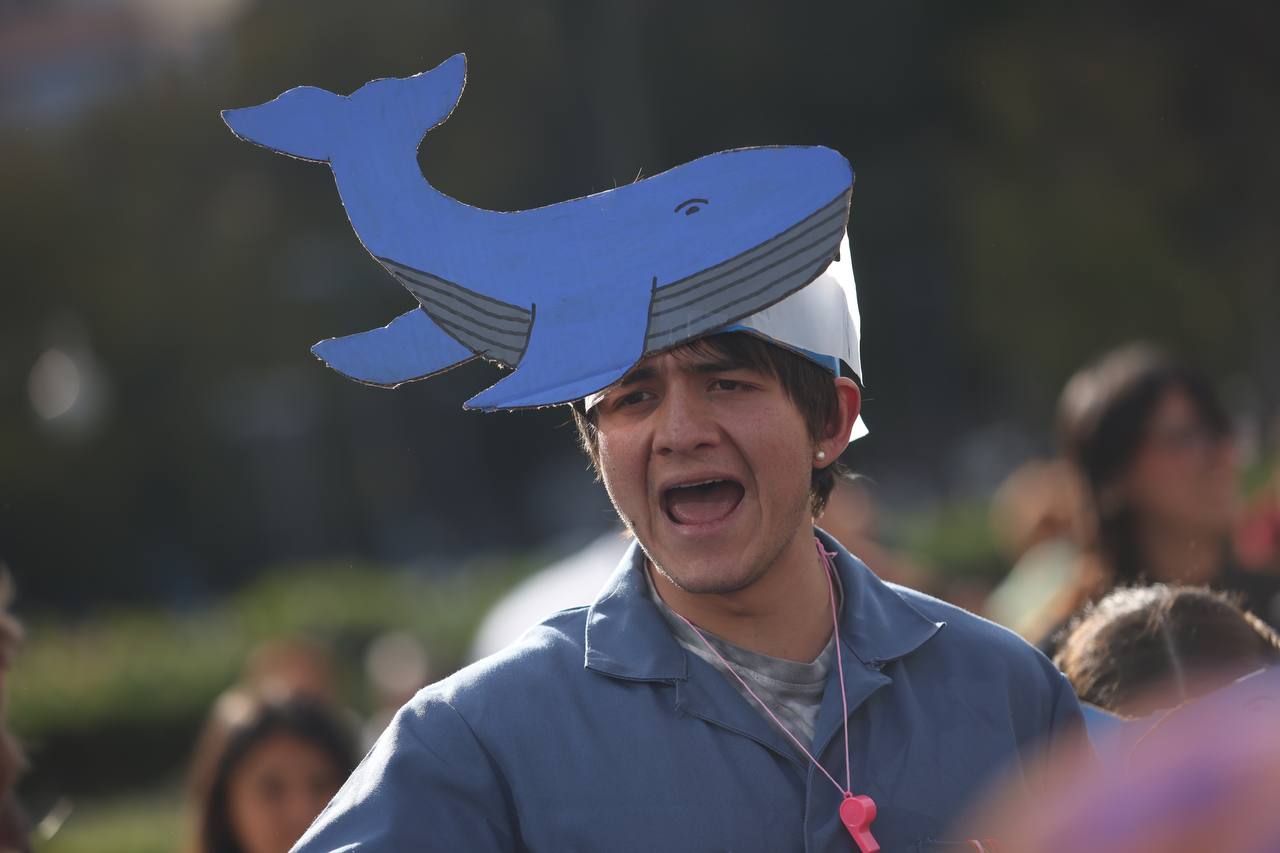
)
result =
(1191, 759)
(300, 666)
(1035, 517)
(1257, 536)
(289, 666)
(852, 517)
(14, 825)
(1153, 446)
(1201, 778)
(1143, 648)
(264, 767)
(396, 666)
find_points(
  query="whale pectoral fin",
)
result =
(496, 330)
(550, 372)
(568, 358)
(525, 389)
(409, 347)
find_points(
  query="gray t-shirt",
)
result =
(792, 689)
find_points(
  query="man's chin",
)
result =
(703, 580)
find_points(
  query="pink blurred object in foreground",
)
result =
(1201, 778)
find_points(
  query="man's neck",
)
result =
(785, 613)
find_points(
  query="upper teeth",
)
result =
(692, 485)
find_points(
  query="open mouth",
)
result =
(703, 502)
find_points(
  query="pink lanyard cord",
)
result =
(847, 790)
(829, 569)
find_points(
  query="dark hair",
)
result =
(810, 387)
(1139, 638)
(239, 721)
(1103, 415)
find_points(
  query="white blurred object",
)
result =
(575, 580)
(54, 384)
(181, 20)
(397, 664)
(66, 386)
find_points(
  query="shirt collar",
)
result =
(626, 636)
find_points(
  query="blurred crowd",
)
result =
(1135, 564)
(1146, 491)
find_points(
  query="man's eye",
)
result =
(631, 399)
(726, 385)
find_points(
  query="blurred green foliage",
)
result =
(139, 823)
(1118, 180)
(116, 700)
(953, 540)
(1036, 182)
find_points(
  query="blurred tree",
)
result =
(1119, 182)
(1035, 182)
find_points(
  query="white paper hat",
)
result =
(820, 322)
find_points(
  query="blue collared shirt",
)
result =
(596, 731)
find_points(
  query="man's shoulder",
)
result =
(439, 776)
(546, 657)
(975, 663)
(970, 641)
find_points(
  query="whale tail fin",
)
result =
(403, 109)
(409, 347)
(301, 122)
(315, 124)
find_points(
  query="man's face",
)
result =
(709, 464)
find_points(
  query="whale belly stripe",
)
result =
(489, 327)
(749, 282)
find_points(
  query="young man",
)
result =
(622, 726)
(742, 683)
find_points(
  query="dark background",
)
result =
(1036, 182)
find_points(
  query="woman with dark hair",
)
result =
(263, 770)
(1154, 448)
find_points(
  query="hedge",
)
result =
(113, 702)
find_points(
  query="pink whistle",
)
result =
(856, 813)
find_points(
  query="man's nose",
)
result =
(686, 422)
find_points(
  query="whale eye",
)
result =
(691, 206)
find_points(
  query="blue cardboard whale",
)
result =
(570, 295)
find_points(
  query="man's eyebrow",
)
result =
(639, 374)
(721, 365)
(648, 373)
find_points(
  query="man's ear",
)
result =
(848, 404)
